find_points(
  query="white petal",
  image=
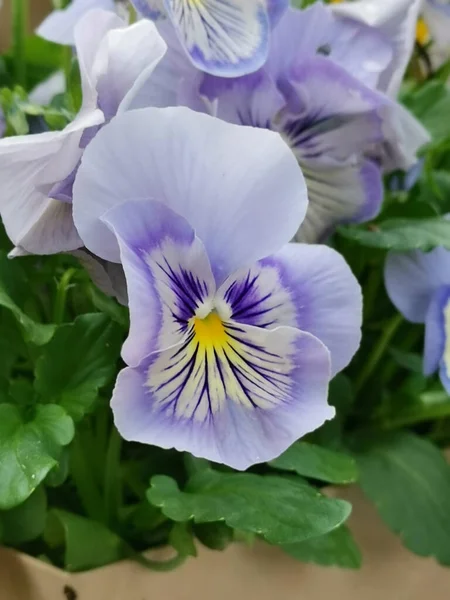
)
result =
(59, 26)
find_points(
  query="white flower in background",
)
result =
(59, 26)
(37, 171)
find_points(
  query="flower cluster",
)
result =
(211, 155)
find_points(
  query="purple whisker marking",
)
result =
(233, 368)
(246, 286)
(219, 368)
(270, 375)
(190, 364)
(253, 304)
(250, 344)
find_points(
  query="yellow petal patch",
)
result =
(422, 32)
(222, 361)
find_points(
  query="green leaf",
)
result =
(14, 290)
(80, 359)
(316, 462)
(29, 449)
(402, 234)
(216, 536)
(26, 522)
(182, 539)
(408, 360)
(408, 480)
(88, 544)
(337, 548)
(282, 510)
(431, 105)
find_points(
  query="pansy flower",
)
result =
(37, 171)
(223, 37)
(319, 90)
(418, 285)
(234, 332)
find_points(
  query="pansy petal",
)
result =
(397, 21)
(172, 76)
(132, 54)
(212, 173)
(252, 100)
(168, 275)
(235, 400)
(89, 35)
(333, 115)
(222, 37)
(436, 15)
(435, 331)
(304, 286)
(404, 136)
(412, 279)
(346, 194)
(45, 91)
(29, 167)
(276, 9)
(108, 277)
(150, 9)
(303, 34)
(59, 26)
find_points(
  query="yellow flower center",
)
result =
(422, 32)
(210, 332)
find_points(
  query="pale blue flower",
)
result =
(319, 90)
(37, 171)
(418, 285)
(234, 332)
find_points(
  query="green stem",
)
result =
(61, 296)
(112, 483)
(378, 351)
(87, 490)
(19, 31)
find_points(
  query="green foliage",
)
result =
(27, 521)
(316, 462)
(79, 360)
(87, 544)
(402, 234)
(281, 510)
(29, 449)
(408, 480)
(337, 548)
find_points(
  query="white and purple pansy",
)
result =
(330, 119)
(318, 89)
(234, 331)
(418, 285)
(37, 171)
(223, 37)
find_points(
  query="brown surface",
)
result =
(38, 10)
(389, 573)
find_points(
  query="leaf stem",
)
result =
(87, 490)
(61, 296)
(378, 351)
(112, 482)
(19, 23)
